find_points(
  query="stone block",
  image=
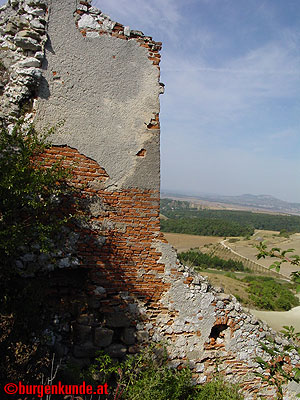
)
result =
(94, 10)
(87, 21)
(117, 320)
(116, 350)
(36, 24)
(85, 319)
(35, 3)
(28, 34)
(32, 62)
(103, 337)
(82, 7)
(100, 291)
(142, 336)
(27, 43)
(127, 31)
(133, 349)
(128, 336)
(94, 303)
(40, 12)
(85, 350)
(82, 333)
(11, 28)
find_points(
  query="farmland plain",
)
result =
(183, 242)
(273, 239)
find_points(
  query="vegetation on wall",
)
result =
(32, 199)
(31, 194)
(147, 376)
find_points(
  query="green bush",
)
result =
(266, 293)
(161, 384)
(33, 197)
(217, 389)
(146, 376)
(30, 194)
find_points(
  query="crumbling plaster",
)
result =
(106, 91)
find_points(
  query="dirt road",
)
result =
(277, 319)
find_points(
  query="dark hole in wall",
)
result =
(216, 330)
(141, 153)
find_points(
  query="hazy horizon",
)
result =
(203, 194)
(230, 115)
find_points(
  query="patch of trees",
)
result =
(205, 227)
(202, 260)
(246, 219)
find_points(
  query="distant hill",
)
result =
(263, 202)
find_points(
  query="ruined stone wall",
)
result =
(101, 80)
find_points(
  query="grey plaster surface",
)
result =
(106, 90)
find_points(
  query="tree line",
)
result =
(203, 260)
(227, 223)
(205, 227)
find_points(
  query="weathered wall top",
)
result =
(98, 77)
(22, 40)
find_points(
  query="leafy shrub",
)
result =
(161, 384)
(217, 389)
(146, 376)
(268, 294)
(30, 194)
(284, 233)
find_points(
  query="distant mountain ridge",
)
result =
(262, 201)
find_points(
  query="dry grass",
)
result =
(246, 249)
(184, 242)
(230, 286)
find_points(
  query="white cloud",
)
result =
(238, 86)
(286, 134)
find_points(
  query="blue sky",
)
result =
(230, 115)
